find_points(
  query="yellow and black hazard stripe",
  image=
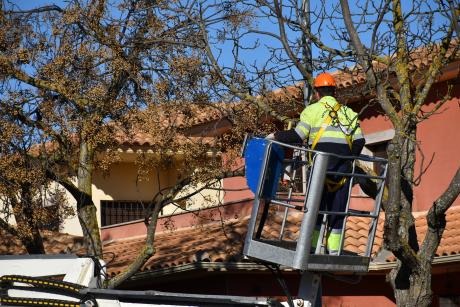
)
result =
(47, 285)
(24, 301)
(42, 283)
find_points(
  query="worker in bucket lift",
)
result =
(334, 128)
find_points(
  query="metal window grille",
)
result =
(121, 211)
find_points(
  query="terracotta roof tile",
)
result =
(54, 242)
(219, 242)
(215, 243)
(209, 243)
(175, 116)
(450, 243)
(181, 116)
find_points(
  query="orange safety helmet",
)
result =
(324, 79)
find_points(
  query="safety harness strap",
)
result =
(332, 114)
(331, 185)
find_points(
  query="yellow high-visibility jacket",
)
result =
(342, 135)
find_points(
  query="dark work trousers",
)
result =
(334, 201)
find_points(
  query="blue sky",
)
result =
(260, 55)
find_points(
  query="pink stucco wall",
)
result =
(373, 121)
(439, 144)
(439, 138)
(137, 228)
(357, 301)
(237, 190)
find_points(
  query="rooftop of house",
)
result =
(222, 242)
(348, 80)
(183, 115)
(54, 243)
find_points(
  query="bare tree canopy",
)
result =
(398, 48)
(73, 80)
(66, 72)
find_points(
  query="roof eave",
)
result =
(374, 267)
(203, 266)
(383, 266)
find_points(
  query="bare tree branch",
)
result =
(159, 202)
(436, 218)
(433, 72)
(42, 9)
(8, 228)
(245, 96)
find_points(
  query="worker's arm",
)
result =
(301, 131)
(358, 146)
(288, 136)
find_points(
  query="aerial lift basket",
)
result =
(288, 184)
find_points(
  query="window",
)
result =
(378, 150)
(122, 211)
(376, 146)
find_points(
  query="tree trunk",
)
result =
(412, 288)
(28, 231)
(146, 252)
(393, 206)
(34, 244)
(30, 236)
(87, 212)
(411, 281)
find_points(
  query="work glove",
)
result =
(270, 137)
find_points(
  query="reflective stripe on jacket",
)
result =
(313, 116)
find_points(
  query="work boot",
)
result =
(333, 242)
(332, 252)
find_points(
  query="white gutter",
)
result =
(247, 266)
(377, 266)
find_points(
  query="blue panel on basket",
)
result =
(254, 156)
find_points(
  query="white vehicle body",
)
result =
(19, 276)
